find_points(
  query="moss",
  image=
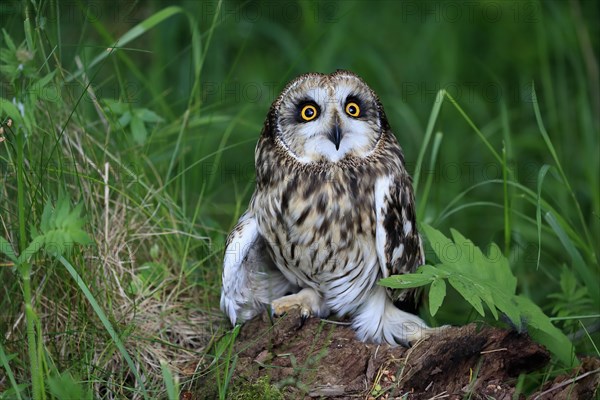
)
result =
(258, 389)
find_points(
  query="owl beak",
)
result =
(335, 135)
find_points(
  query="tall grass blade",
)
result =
(590, 338)
(437, 141)
(28, 34)
(199, 56)
(550, 146)
(507, 210)
(104, 319)
(585, 274)
(435, 112)
(170, 382)
(475, 128)
(9, 373)
(538, 212)
(130, 35)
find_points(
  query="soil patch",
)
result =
(324, 360)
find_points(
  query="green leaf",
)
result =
(487, 278)
(138, 129)
(60, 230)
(485, 293)
(492, 267)
(406, 281)
(508, 306)
(46, 217)
(147, 115)
(72, 219)
(466, 253)
(443, 247)
(80, 236)
(7, 249)
(55, 243)
(38, 89)
(437, 292)
(7, 108)
(499, 269)
(36, 245)
(8, 41)
(61, 211)
(65, 386)
(467, 291)
(125, 119)
(543, 331)
(431, 271)
(115, 106)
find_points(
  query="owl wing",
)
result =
(399, 246)
(250, 278)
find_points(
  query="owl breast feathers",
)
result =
(333, 212)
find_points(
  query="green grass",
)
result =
(148, 114)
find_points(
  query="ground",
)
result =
(322, 359)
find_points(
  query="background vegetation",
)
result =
(146, 115)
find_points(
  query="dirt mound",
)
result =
(583, 383)
(323, 360)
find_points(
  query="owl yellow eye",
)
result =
(309, 112)
(352, 109)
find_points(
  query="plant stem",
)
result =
(507, 213)
(25, 269)
(31, 342)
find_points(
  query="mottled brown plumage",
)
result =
(332, 213)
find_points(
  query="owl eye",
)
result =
(309, 112)
(352, 109)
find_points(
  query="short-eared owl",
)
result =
(332, 213)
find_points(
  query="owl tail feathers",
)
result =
(248, 292)
(234, 310)
(378, 320)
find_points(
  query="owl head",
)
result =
(325, 118)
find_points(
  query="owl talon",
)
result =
(307, 300)
(304, 316)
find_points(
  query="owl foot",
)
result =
(307, 300)
(378, 320)
(423, 332)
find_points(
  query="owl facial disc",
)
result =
(326, 118)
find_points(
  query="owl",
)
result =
(332, 213)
